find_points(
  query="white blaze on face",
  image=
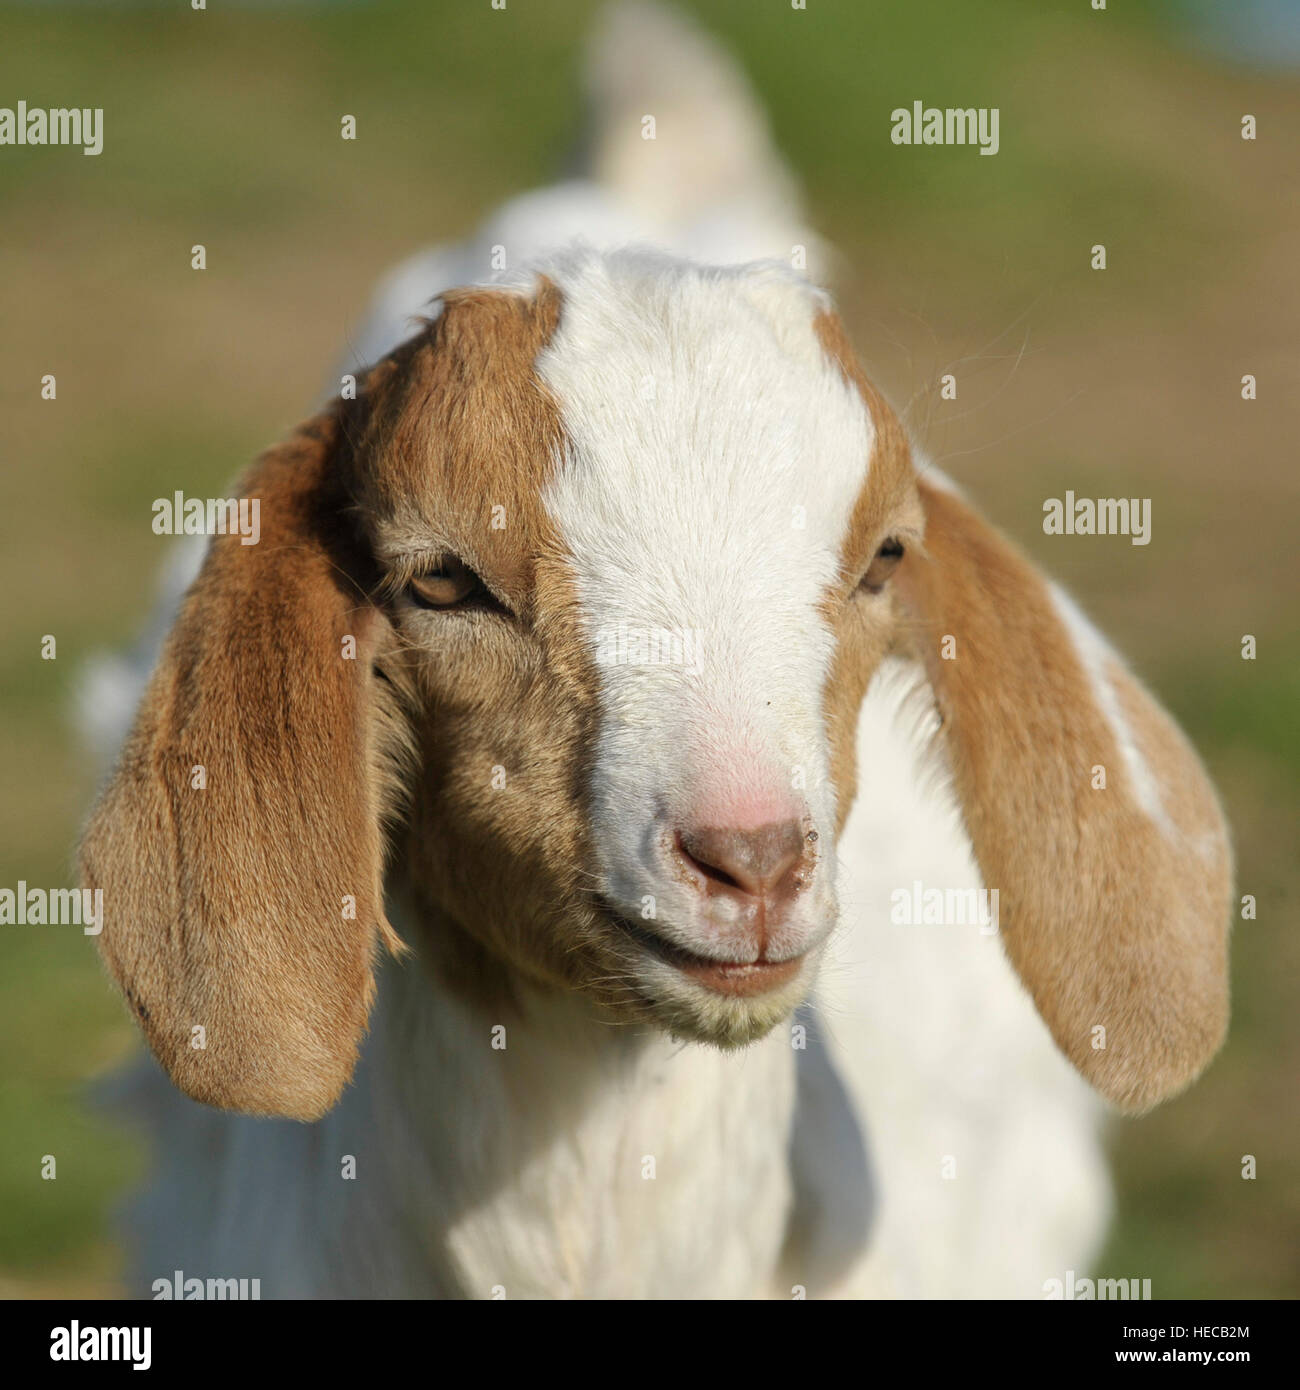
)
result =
(715, 455)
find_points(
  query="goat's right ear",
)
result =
(238, 844)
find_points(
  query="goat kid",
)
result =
(606, 889)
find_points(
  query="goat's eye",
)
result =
(452, 584)
(882, 566)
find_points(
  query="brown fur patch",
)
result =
(496, 851)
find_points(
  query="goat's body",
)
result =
(586, 1160)
(929, 1139)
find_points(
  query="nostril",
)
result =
(711, 871)
(754, 862)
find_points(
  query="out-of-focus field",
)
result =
(222, 127)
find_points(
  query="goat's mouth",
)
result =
(738, 979)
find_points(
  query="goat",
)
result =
(602, 942)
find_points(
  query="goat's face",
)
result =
(637, 530)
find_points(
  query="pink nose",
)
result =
(763, 864)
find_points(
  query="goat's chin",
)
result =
(723, 1022)
(691, 1012)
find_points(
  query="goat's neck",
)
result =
(546, 1151)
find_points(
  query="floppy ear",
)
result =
(1114, 898)
(242, 818)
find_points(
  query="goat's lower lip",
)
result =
(741, 979)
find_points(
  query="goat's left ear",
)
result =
(238, 843)
(1087, 809)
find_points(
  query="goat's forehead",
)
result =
(710, 440)
(690, 440)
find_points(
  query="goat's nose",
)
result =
(759, 863)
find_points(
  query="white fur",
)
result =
(524, 1170)
(1097, 655)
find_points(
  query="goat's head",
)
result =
(582, 594)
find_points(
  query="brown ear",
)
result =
(1113, 902)
(242, 816)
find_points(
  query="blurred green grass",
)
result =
(222, 127)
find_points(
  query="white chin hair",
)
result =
(690, 1011)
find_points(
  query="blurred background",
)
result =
(1121, 127)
